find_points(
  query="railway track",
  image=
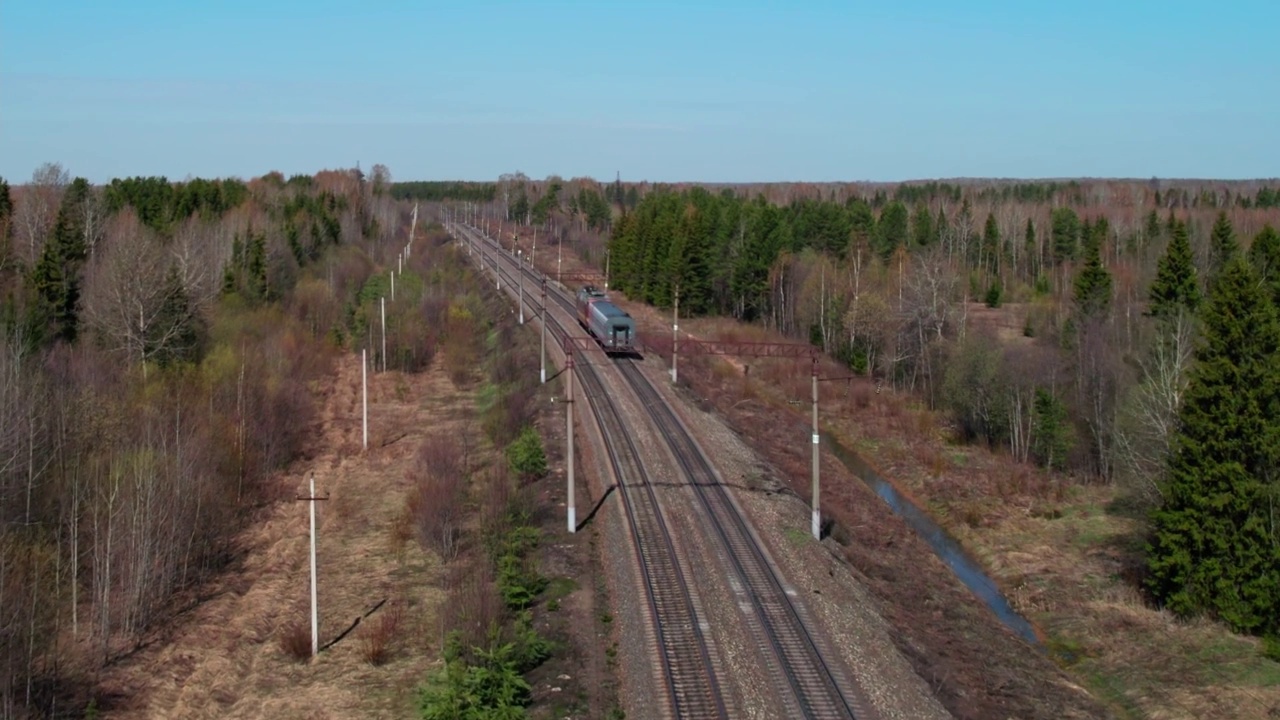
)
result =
(687, 669)
(819, 690)
(817, 687)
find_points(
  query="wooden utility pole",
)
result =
(315, 613)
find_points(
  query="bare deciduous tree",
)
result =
(130, 296)
(1149, 414)
(37, 207)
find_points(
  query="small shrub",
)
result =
(1271, 647)
(526, 457)
(995, 295)
(529, 649)
(375, 646)
(862, 396)
(295, 641)
(474, 606)
(519, 581)
(434, 501)
(490, 688)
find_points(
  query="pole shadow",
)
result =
(595, 509)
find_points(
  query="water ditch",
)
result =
(944, 545)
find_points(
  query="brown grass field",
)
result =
(236, 653)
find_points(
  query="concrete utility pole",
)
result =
(559, 258)
(393, 286)
(573, 520)
(675, 335)
(817, 515)
(315, 613)
(364, 393)
(520, 272)
(384, 334)
(413, 224)
(543, 373)
(606, 269)
(533, 258)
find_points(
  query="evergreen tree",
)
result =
(893, 228)
(1029, 239)
(991, 243)
(56, 276)
(6, 208)
(176, 335)
(1214, 549)
(1093, 283)
(1050, 435)
(1153, 226)
(1066, 233)
(1222, 243)
(1265, 256)
(1175, 286)
(922, 227)
(941, 226)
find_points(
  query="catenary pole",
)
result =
(573, 524)
(817, 514)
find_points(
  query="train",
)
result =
(608, 324)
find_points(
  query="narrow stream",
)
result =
(944, 545)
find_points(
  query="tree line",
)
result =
(1116, 330)
(158, 339)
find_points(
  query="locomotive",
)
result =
(609, 324)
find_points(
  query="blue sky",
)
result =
(698, 90)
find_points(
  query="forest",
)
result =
(1118, 331)
(161, 347)
(162, 340)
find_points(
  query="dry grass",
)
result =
(380, 633)
(433, 505)
(295, 640)
(223, 659)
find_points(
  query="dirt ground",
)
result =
(225, 659)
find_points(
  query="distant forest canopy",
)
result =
(1078, 192)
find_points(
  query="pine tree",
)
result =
(1222, 243)
(1265, 256)
(991, 243)
(56, 276)
(1153, 226)
(922, 227)
(1093, 284)
(1029, 239)
(1175, 286)
(1213, 549)
(1065, 233)
(1050, 436)
(941, 226)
